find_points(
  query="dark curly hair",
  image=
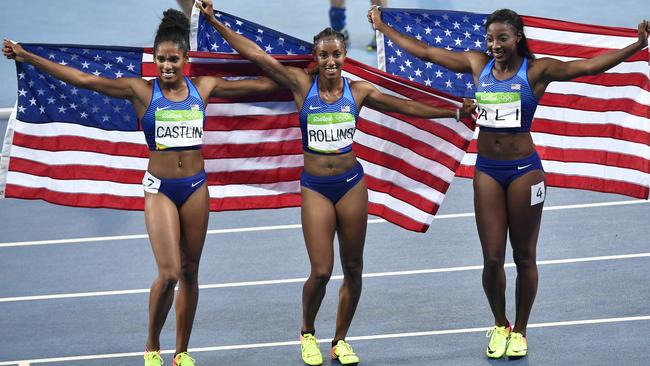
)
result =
(174, 27)
(330, 32)
(509, 17)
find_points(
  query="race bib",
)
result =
(150, 183)
(178, 128)
(330, 132)
(498, 110)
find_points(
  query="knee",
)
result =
(169, 278)
(493, 262)
(523, 259)
(321, 275)
(190, 273)
(352, 268)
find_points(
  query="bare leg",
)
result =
(318, 227)
(194, 223)
(163, 227)
(524, 230)
(492, 224)
(352, 218)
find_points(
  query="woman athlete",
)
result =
(509, 187)
(334, 193)
(176, 194)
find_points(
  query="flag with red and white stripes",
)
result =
(76, 147)
(592, 132)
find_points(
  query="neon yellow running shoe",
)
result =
(152, 358)
(309, 348)
(517, 346)
(344, 353)
(498, 341)
(183, 359)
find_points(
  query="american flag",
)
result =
(592, 132)
(76, 147)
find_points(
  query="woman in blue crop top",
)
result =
(509, 180)
(176, 194)
(334, 194)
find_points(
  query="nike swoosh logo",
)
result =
(197, 183)
(311, 107)
(351, 178)
(161, 109)
(484, 84)
(523, 167)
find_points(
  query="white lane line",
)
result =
(293, 226)
(337, 277)
(357, 338)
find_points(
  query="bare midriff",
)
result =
(175, 164)
(327, 165)
(505, 146)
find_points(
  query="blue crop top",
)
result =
(170, 125)
(505, 105)
(328, 128)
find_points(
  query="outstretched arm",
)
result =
(456, 61)
(554, 70)
(124, 88)
(215, 86)
(289, 77)
(388, 103)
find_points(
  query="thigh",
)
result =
(491, 213)
(318, 219)
(194, 216)
(163, 226)
(352, 219)
(525, 208)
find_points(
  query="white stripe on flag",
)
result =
(577, 38)
(55, 158)
(76, 186)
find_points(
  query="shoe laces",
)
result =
(343, 348)
(309, 343)
(517, 338)
(152, 355)
(499, 330)
(183, 359)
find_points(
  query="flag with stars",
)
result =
(205, 38)
(592, 132)
(452, 30)
(76, 147)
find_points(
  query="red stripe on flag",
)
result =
(391, 162)
(409, 143)
(252, 150)
(573, 50)
(400, 193)
(251, 122)
(580, 102)
(597, 184)
(396, 217)
(259, 176)
(611, 79)
(590, 130)
(563, 25)
(76, 199)
(594, 156)
(76, 143)
(255, 202)
(73, 172)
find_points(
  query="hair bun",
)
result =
(174, 20)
